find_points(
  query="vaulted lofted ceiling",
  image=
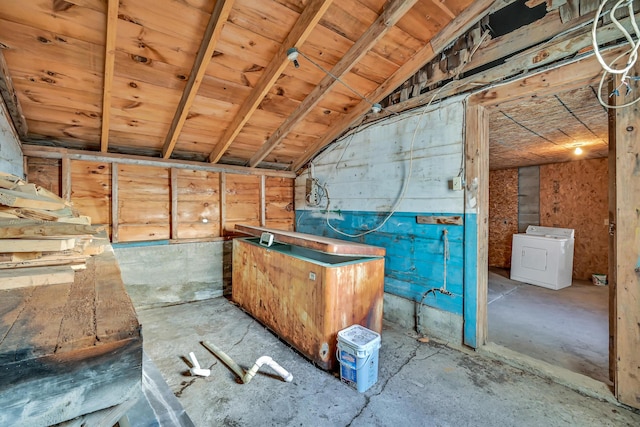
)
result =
(210, 80)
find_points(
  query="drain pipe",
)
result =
(247, 376)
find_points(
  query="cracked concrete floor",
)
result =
(418, 384)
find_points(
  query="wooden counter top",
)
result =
(311, 241)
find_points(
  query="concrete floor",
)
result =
(419, 383)
(568, 328)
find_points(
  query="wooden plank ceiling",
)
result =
(210, 80)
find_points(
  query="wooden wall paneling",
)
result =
(66, 178)
(574, 195)
(45, 172)
(503, 215)
(626, 243)
(198, 200)
(143, 203)
(223, 202)
(91, 190)
(279, 203)
(174, 203)
(115, 204)
(263, 207)
(242, 202)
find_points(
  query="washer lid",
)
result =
(563, 233)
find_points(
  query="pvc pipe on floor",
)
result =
(247, 376)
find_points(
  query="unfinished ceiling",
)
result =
(548, 130)
(210, 81)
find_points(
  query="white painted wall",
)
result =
(366, 171)
(10, 151)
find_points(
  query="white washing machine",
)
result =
(543, 256)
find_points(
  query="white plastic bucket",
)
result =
(358, 356)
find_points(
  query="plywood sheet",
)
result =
(503, 215)
(575, 195)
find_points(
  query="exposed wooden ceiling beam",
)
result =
(109, 65)
(210, 39)
(8, 94)
(309, 18)
(450, 33)
(393, 11)
(42, 152)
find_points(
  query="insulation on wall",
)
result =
(575, 195)
(503, 215)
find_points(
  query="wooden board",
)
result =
(36, 245)
(35, 276)
(279, 206)
(23, 228)
(318, 243)
(450, 220)
(626, 244)
(306, 303)
(24, 200)
(68, 340)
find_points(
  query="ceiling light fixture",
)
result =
(292, 55)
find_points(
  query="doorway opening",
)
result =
(537, 179)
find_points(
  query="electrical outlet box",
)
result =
(457, 183)
(311, 192)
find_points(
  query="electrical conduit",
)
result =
(247, 376)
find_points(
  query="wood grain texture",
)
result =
(306, 303)
(627, 251)
(503, 215)
(62, 341)
(318, 243)
(575, 195)
(35, 276)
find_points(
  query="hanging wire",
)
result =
(631, 53)
(374, 105)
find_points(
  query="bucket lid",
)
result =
(358, 336)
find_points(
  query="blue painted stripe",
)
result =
(414, 262)
(470, 280)
(140, 244)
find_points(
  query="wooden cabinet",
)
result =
(307, 295)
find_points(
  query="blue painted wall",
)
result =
(414, 262)
(403, 164)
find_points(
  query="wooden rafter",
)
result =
(393, 11)
(451, 32)
(8, 94)
(205, 53)
(309, 18)
(109, 65)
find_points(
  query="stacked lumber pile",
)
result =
(43, 240)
